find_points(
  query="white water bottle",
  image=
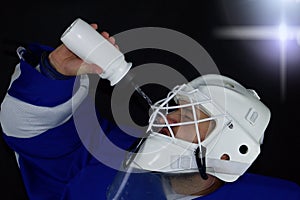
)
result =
(84, 41)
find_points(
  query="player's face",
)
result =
(188, 132)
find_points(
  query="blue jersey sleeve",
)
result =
(37, 119)
(37, 88)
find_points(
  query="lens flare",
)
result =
(283, 32)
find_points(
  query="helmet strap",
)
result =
(200, 160)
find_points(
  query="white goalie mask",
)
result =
(211, 125)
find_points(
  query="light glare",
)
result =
(291, 1)
(283, 32)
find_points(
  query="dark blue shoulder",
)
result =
(254, 186)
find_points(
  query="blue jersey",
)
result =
(37, 118)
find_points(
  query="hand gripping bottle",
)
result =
(84, 41)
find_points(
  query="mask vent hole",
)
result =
(225, 156)
(243, 149)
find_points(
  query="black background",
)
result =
(254, 63)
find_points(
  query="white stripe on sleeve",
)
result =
(24, 120)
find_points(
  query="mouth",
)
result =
(165, 131)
